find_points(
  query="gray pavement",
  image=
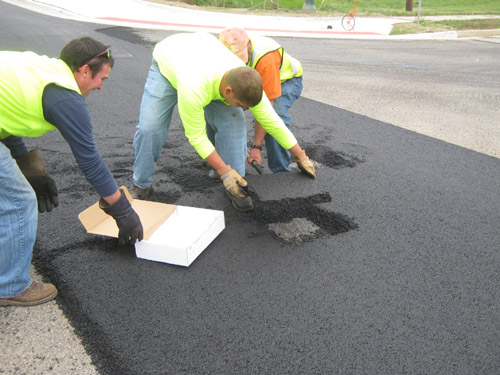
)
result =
(60, 351)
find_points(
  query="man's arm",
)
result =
(272, 123)
(269, 70)
(191, 103)
(258, 140)
(16, 146)
(33, 168)
(215, 160)
(68, 112)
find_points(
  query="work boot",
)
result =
(36, 294)
(241, 204)
(142, 194)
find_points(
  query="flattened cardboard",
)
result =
(152, 215)
(172, 234)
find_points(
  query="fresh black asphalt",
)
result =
(396, 272)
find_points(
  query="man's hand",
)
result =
(127, 220)
(254, 154)
(254, 159)
(46, 192)
(305, 164)
(232, 181)
(33, 168)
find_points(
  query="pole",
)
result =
(419, 8)
(409, 5)
(309, 5)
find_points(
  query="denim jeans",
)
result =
(278, 158)
(226, 128)
(18, 225)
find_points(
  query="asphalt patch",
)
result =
(297, 220)
(130, 35)
(332, 158)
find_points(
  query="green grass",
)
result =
(434, 26)
(429, 7)
(478, 24)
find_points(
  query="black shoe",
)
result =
(241, 204)
(142, 194)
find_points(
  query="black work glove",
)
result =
(33, 168)
(129, 224)
(46, 192)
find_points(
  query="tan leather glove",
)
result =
(232, 181)
(305, 164)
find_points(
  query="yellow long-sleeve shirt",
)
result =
(194, 63)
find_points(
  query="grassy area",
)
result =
(398, 7)
(363, 7)
(445, 25)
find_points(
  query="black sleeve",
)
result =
(68, 112)
(15, 145)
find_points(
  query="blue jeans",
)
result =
(18, 225)
(226, 128)
(278, 158)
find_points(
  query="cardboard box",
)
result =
(172, 234)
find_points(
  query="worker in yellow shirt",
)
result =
(39, 94)
(211, 87)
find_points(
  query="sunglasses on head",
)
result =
(105, 53)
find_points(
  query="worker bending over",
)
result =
(212, 87)
(282, 80)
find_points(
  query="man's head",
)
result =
(242, 87)
(237, 41)
(90, 61)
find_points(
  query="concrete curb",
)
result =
(446, 35)
(443, 35)
(481, 33)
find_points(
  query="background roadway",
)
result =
(396, 272)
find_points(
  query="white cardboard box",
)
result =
(172, 234)
(183, 236)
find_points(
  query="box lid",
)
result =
(152, 215)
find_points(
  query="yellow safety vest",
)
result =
(261, 45)
(23, 77)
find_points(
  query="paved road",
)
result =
(397, 272)
(445, 89)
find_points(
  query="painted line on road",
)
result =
(185, 25)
